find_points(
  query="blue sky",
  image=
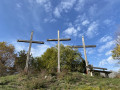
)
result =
(97, 20)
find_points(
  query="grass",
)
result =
(62, 81)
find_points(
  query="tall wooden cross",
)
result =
(84, 47)
(28, 54)
(59, 48)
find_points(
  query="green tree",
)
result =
(70, 60)
(37, 64)
(20, 60)
(49, 59)
(116, 50)
(7, 56)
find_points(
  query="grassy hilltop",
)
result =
(62, 81)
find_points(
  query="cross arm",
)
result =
(68, 39)
(52, 39)
(87, 46)
(27, 41)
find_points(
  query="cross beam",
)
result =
(68, 39)
(84, 47)
(59, 39)
(27, 41)
(28, 54)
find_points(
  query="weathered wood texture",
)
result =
(86, 46)
(59, 39)
(58, 52)
(87, 69)
(28, 54)
(68, 39)
(27, 41)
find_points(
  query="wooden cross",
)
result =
(28, 54)
(59, 48)
(84, 47)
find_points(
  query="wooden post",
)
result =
(28, 54)
(85, 54)
(84, 47)
(58, 52)
(68, 39)
(91, 73)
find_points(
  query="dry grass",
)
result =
(62, 81)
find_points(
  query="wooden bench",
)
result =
(101, 70)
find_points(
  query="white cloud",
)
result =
(70, 31)
(105, 39)
(36, 50)
(78, 28)
(65, 5)
(90, 51)
(106, 46)
(118, 39)
(79, 5)
(18, 5)
(41, 1)
(85, 22)
(107, 21)
(46, 4)
(70, 24)
(80, 18)
(39, 50)
(92, 30)
(51, 20)
(57, 12)
(81, 34)
(109, 60)
(93, 10)
(108, 53)
(103, 62)
(19, 46)
(48, 7)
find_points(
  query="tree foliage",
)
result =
(70, 60)
(49, 59)
(116, 50)
(7, 56)
(6, 52)
(20, 60)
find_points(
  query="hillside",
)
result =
(63, 81)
